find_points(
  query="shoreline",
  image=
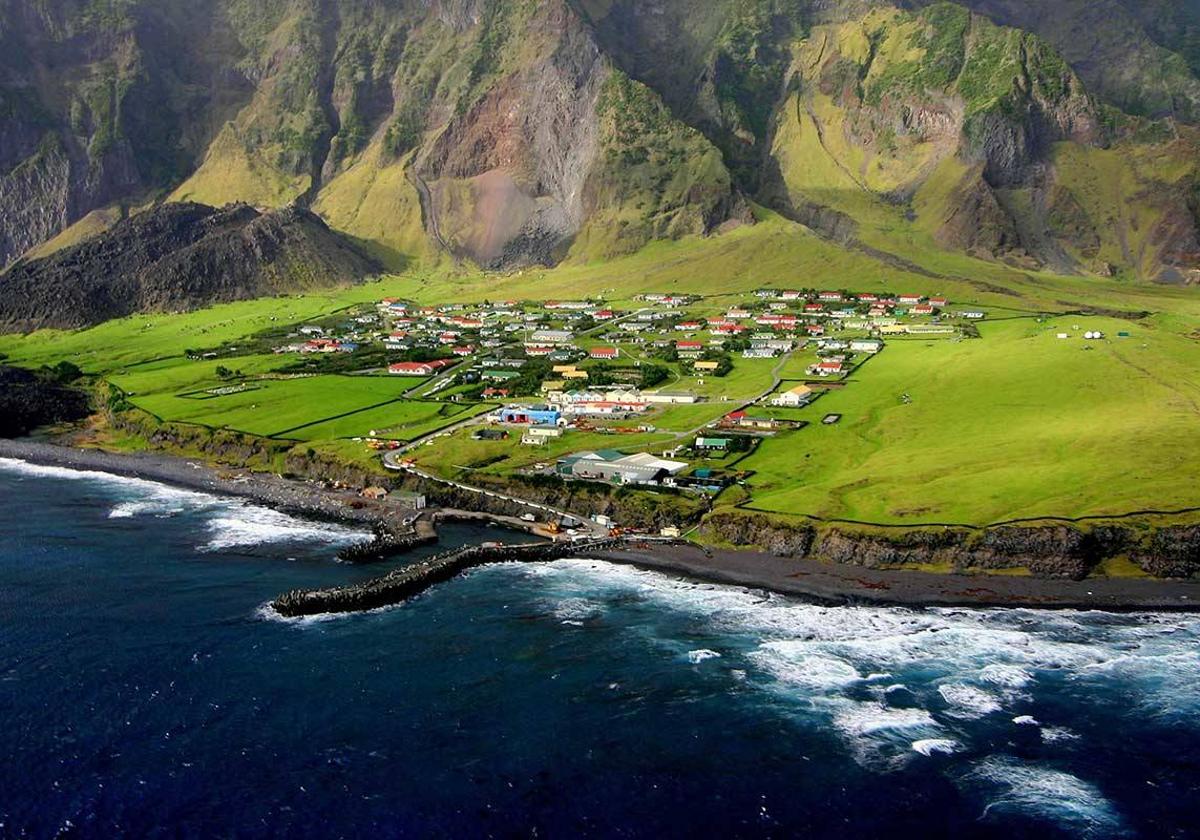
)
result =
(287, 495)
(837, 584)
(825, 582)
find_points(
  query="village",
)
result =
(701, 380)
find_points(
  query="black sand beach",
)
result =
(823, 581)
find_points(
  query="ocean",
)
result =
(145, 691)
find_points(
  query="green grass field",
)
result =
(178, 374)
(458, 456)
(1017, 424)
(405, 420)
(1014, 424)
(277, 408)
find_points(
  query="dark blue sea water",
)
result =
(145, 692)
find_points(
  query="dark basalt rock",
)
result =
(178, 257)
(779, 539)
(28, 400)
(1047, 551)
(402, 584)
(1172, 553)
(386, 544)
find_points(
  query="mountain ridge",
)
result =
(508, 133)
(178, 256)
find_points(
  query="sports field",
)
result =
(276, 407)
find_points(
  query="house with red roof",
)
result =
(411, 369)
(826, 369)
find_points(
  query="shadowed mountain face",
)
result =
(514, 132)
(177, 257)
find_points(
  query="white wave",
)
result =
(1012, 786)
(791, 662)
(1008, 676)
(577, 609)
(698, 656)
(967, 701)
(965, 663)
(266, 612)
(1026, 720)
(231, 523)
(1057, 734)
(161, 500)
(860, 719)
(249, 525)
(930, 746)
(150, 494)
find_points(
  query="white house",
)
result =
(866, 345)
(794, 398)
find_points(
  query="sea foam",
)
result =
(959, 667)
(1012, 786)
(230, 522)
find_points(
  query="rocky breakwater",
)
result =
(387, 543)
(401, 584)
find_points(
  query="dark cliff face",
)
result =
(177, 257)
(102, 103)
(1049, 551)
(29, 400)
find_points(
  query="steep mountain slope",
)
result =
(484, 118)
(514, 132)
(180, 256)
(1140, 55)
(105, 102)
(941, 124)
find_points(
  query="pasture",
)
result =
(1017, 424)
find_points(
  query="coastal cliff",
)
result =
(1051, 550)
(29, 400)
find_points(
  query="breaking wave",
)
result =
(892, 683)
(1015, 787)
(230, 523)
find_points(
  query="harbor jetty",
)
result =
(401, 584)
(387, 544)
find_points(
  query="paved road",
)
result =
(394, 461)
